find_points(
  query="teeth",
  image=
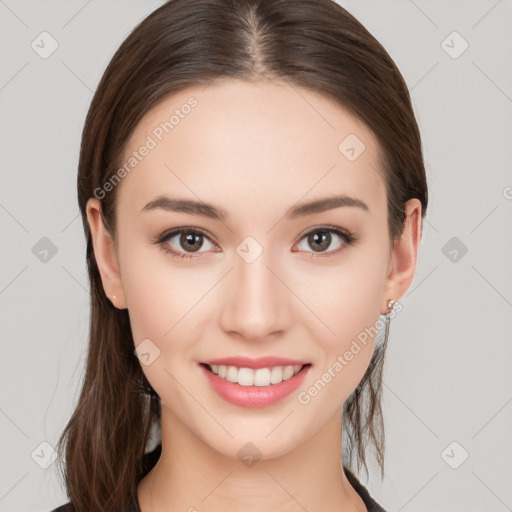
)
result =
(259, 377)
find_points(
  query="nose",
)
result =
(256, 301)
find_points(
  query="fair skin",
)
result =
(253, 150)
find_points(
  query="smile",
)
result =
(259, 377)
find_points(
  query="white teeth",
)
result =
(259, 377)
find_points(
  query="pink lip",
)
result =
(255, 364)
(254, 396)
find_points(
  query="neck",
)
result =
(191, 475)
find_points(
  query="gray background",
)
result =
(448, 385)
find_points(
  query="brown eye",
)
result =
(188, 241)
(191, 241)
(321, 239)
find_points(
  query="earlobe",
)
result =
(105, 254)
(404, 252)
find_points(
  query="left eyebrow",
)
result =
(214, 212)
(186, 206)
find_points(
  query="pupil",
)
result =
(321, 242)
(190, 239)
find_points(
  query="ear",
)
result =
(105, 254)
(404, 254)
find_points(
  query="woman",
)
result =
(252, 188)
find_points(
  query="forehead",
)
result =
(262, 141)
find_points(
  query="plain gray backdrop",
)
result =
(447, 381)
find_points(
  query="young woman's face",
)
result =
(254, 280)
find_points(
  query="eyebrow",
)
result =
(214, 212)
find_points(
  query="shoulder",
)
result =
(67, 507)
(370, 503)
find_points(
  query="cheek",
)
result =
(349, 308)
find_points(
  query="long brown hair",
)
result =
(314, 44)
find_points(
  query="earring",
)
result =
(391, 304)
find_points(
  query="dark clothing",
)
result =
(151, 458)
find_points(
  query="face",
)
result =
(249, 277)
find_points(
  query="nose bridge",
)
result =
(255, 305)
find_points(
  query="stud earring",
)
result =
(391, 305)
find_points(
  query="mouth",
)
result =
(248, 387)
(257, 377)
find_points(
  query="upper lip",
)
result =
(260, 362)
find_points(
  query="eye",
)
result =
(320, 239)
(191, 240)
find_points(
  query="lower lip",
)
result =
(254, 396)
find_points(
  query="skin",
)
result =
(253, 150)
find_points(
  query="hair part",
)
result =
(313, 44)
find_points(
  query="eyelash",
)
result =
(348, 237)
